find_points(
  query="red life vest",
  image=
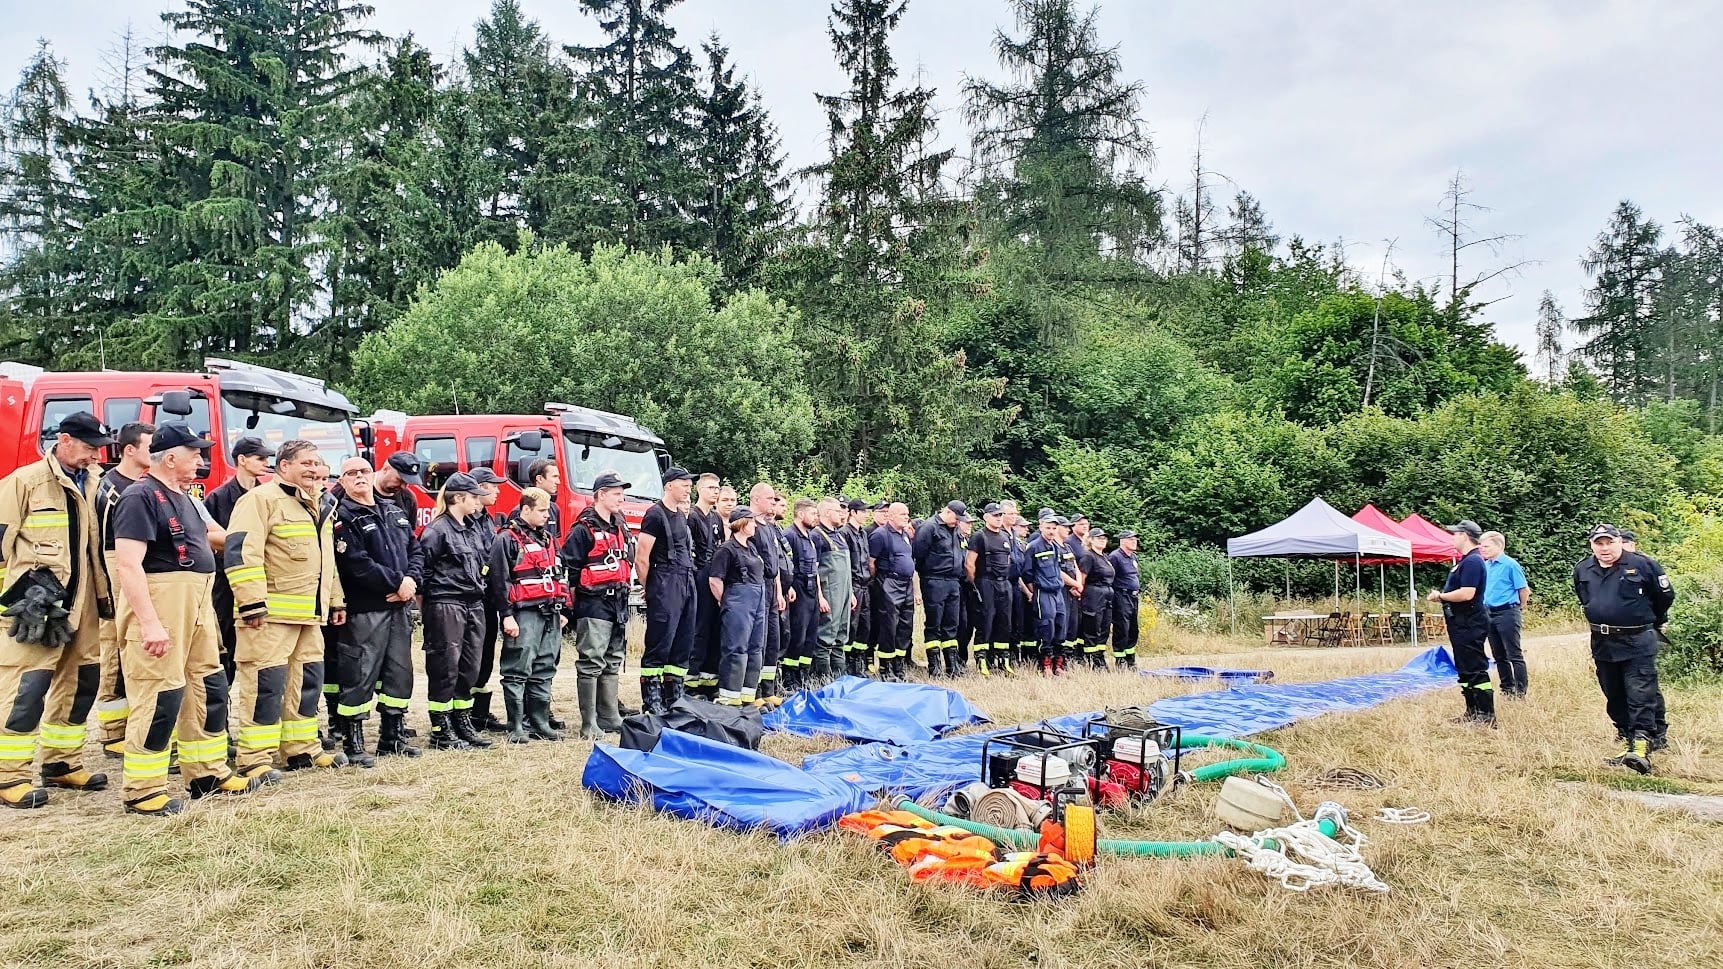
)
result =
(610, 564)
(536, 577)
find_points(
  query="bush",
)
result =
(1189, 575)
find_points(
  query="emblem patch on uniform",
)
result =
(1663, 582)
(341, 545)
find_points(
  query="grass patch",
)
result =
(500, 859)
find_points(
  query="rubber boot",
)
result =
(331, 739)
(392, 741)
(588, 690)
(899, 669)
(935, 662)
(514, 704)
(481, 714)
(1059, 665)
(443, 735)
(1638, 755)
(652, 695)
(67, 777)
(955, 665)
(609, 709)
(538, 718)
(353, 744)
(674, 690)
(23, 795)
(462, 722)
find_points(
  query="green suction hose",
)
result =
(1267, 759)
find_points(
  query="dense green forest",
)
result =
(1011, 307)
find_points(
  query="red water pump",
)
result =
(1138, 755)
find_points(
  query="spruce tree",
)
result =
(1621, 307)
(1551, 356)
(40, 264)
(742, 207)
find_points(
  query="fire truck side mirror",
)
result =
(175, 402)
(527, 440)
(367, 435)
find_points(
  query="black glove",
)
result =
(30, 616)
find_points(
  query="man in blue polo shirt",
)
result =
(1505, 594)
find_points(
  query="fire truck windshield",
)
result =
(588, 457)
(277, 420)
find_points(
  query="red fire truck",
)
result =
(582, 441)
(229, 400)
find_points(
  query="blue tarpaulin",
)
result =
(1244, 710)
(942, 765)
(866, 710)
(724, 786)
(1199, 673)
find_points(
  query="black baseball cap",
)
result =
(1079, 517)
(485, 476)
(740, 513)
(84, 426)
(460, 483)
(251, 446)
(1627, 535)
(1049, 515)
(1126, 533)
(1467, 526)
(609, 479)
(677, 474)
(1097, 533)
(881, 505)
(176, 434)
(406, 464)
(956, 506)
(1604, 531)
(992, 508)
(856, 504)
(1062, 520)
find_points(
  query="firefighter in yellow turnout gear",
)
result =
(53, 586)
(280, 561)
(168, 634)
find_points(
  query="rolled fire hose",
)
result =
(1268, 759)
(1005, 808)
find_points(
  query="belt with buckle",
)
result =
(1608, 630)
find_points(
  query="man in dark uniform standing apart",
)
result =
(706, 529)
(250, 463)
(856, 656)
(1659, 740)
(893, 565)
(938, 551)
(1626, 598)
(1462, 599)
(1127, 588)
(664, 563)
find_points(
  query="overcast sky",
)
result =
(1345, 118)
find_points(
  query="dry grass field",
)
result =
(500, 859)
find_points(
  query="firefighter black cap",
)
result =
(251, 446)
(460, 483)
(676, 474)
(84, 426)
(176, 434)
(406, 464)
(486, 476)
(609, 479)
(856, 504)
(739, 514)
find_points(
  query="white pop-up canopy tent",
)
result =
(1319, 530)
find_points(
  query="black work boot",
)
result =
(652, 695)
(443, 736)
(353, 744)
(481, 714)
(462, 723)
(1637, 757)
(392, 739)
(935, 662)
(674, 690)
(331, 739)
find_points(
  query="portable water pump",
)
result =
(1136, 753)
(1046, 765)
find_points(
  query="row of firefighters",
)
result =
(201, 634)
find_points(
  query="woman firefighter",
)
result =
(455, 587)
(737, 578)
(524, 562)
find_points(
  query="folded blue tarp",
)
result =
(1199, 673)
(724, 786)
(943, 765)
(867, 710)
(1244, 710)
(935, 766)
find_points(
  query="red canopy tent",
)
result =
(1418, 524)
(1425, 547)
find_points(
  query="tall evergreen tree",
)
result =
(1621, 306)
(245, 125)
(1551, 357)
(640, 92)
(37, 201)
(743, 203)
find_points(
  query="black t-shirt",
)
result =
(148, 511)
(108, 493)
(992, 553)
(707, 530)
(672, 544)
(1468, 572)
(737, 564)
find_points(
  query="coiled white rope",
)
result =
(1407, 815)
(1320, 859)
